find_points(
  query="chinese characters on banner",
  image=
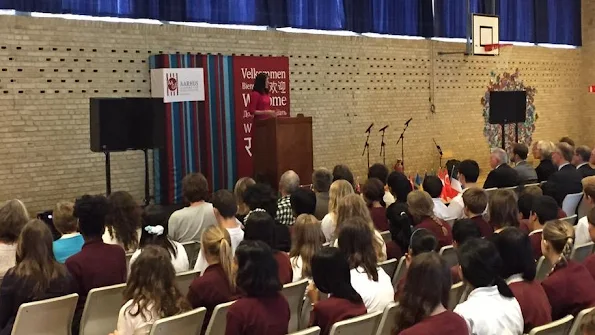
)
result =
(245, 69)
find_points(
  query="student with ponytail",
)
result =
(491, 307)
(569, 287)
(217, 284)
(421, 208)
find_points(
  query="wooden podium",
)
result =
(281, 144)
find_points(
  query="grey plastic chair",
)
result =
(559, 327)
(388, 320)
(365, 324)
(100, 316)
(47, 317)
(389, 266)
(580, 252)
(294, 293)
(218, 321)
(186, 323)
(184, 279)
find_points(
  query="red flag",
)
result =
(448, 192)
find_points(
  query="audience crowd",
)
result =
(336, 235)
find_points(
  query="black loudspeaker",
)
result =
(118, 124)
(508, 107)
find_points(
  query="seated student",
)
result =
(589, 262)
(303, 201)
(224, 207)
(307, 240)
(260, 226)
(370, 281)
(462, 231)
(400, 231)
(524, 203)
(97, 264)
(36, 276)
(261, 197)
(422, 241)
(433, 185)
(422, 311)
(475, 202)
(491, 307)
(373, 192)
(71, 241)
(399, 186)
(558, 241)
(151, 293)
(13, 217)
(587, 327)
(421, 209)
(339, 189)
(155, 233)
(537, 191)
(262, 309)
(238, 191)
(518, 269)
(331, 274)
(543, 209)
(123, 221)
(321, 183)
(217, 284)
(503, 210)
(380, 172)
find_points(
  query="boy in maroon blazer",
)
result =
(476, 201)
(462, 231)
(543, 209)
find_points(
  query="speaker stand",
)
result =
(148, 197)
(108, 175)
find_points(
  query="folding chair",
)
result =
(48, 317)
(309, 331)
(583, 208)
(387, 322)
(184, 279)
(389, 266)
(576, 325)
(365, 324)
(218, 321)
(386, 236)
(186, 323)
(559, 327)
(570, 219)
(100, 316)
(570, 204)
(544, 267)
(294, 293)
(580, 252)
(400, 272)
(455, 294)
(192, 249)
(489, 191)
(449, 254)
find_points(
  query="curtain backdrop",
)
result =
(537, 21)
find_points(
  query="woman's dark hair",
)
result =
(124, 219)
(481, 265)
(399, 224)
(427, 286)
(373, 190)
(35, 262)
(516, 253)
(260, 83)
(422, 241)
(260, 226)
(153, 217)
(261, 196)
(330, 271)
(356, 242)
(342, 172)
(91, 211)
(257, 269)
(399, 185)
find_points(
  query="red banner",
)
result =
(245, 69)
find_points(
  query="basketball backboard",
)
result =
(485, 32)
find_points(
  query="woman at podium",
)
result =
(260, 100)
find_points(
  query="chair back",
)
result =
(559, 327)
(544, 267)
(449, 254)
(46, 317)
(294, 293)
(186, 323)
(570, 219)
(580, 252)
(570, 203)
(192, 250)
(128, 257)
(576, 325)
(365, 324)
(386, 236)
(389, 266)
(184, 279)
(388, 320)
(489, 191)
(583, 208)
(218, 321)
(400, 272)
(309, 331)
(455, 294)
(465, 293)
(100, 315)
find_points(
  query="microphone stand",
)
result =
(367, 146)
(383, 145)
(402, 141)
(439, 152)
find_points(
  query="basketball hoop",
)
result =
(491, 47)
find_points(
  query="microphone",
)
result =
(383, 128)
(407, 123)
(370, 128)
(437, 147)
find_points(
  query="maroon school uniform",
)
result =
(535, 239)
(378, 215)
(534, 303)
(258, 316)
(393, 250)
(400, 286)
(327, 312)
(589, 263)
(570, 289)
(284, 267)
(561, 213)
(524, 226)
(445, 323)
(436, 229)
(210, 290)
(455, 276)
(485, 228)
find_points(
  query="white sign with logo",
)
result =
(176, 85)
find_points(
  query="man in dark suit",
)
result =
(580, 159)
(502, 174)
(567, 180)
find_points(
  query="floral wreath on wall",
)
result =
(493, 132)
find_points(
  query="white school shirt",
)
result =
(388, 198)
(581, 232)
(236, 234)
(296, 265)
(376, 295)
(455, 209)
(441, 210)
(135, 325)
(328, 227)
(489, 313)
(180, 261)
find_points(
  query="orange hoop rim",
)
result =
(491, 47)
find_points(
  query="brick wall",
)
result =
(51, 67)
